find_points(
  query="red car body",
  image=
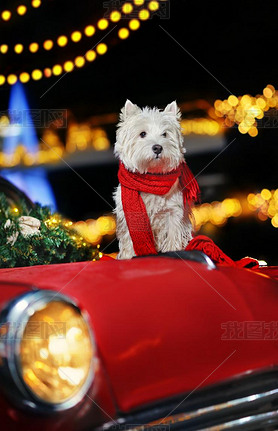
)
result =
(167, 332)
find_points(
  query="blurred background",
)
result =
(67, 69)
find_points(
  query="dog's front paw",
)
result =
(123, 255)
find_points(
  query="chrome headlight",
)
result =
(46, 350)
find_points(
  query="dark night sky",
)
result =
(235, 42)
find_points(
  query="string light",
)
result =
(57, 69)
(11, 79)
(127, 8)
(18, 48)
(36, 3)
(123, 33)
(48, 44)
(103, 24)
(24, 77)
(101, 48)
(47, 72)
(134, 24)
(76, 36)
(2, 79)
(115, 16)
(33, 47)
(89, 30)
(68, 66)
(20, 10)
(79, 61)
(6, 15)
(153, 6)
(144, 14)
(4, 48)
(90, 55)
(62, 41)
(36, 74)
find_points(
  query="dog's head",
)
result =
(150, 140)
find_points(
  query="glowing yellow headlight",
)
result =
(49, 350)
(56, 358)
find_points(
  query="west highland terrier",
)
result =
(156, 189)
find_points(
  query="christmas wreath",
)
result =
(35, 236)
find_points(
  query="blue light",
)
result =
(33, 181)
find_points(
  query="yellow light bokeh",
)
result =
(233, 100)
(68, 66)
(261, 102)
(90, 55)
(12, 79)
(267, 93)
(134, 24)
(76, 36)
(36, 74)
(36, 3)
(103, 24)
(144, 14)
(123, 33)
(33, 47)
(4, 49)
(57, 69)
(79, 61)
(89, 30)
(24, 77)
(138, 2)
(47, 72)
(18, 48)
(127, 8)
(153, 5)
(21, 10)
(48, 44)
(246, 110)
(6, 15)
(200, 126)
(266, 194)
(2, 79)
(62, 40)
(101, 48)
(115, 16)
(253, 132)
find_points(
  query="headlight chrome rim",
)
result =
(18, 311)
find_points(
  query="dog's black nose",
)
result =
(157, 149)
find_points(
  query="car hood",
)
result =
(167, 326)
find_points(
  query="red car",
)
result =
(167, 343)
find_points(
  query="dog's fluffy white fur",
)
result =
(169, 219)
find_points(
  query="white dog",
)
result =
(150, 147)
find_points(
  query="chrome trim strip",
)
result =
(190, 255)
(18, 311)
(259, 420)
(239, 402)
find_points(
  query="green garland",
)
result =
(55, 243)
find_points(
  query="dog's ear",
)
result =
(173, 108)
(129, 109)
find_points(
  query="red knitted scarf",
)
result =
(158, 184)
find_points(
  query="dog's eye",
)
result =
(164, 134)
(143, 134)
